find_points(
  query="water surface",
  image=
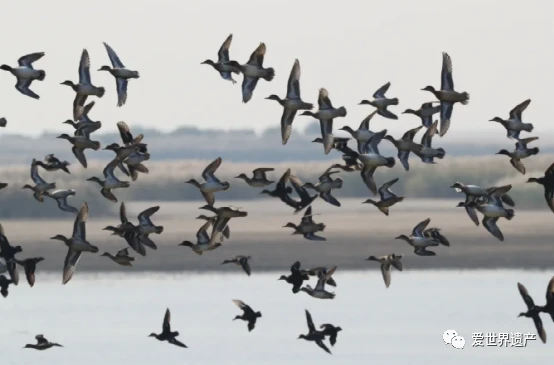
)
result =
(106, 318)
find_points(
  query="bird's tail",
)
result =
(527, 127)
(342, 111)
(390, 162)
(270, 74)
(100, 91)
(96, 145)
(321, 226)
(159, 229)
(466, 96)
(441, 152)
(41, 75)
(394, 101)
(510, 213)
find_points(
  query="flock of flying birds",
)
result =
(132, 153)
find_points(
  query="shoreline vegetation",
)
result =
(165, 182)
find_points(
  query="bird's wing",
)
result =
(116, 62)
(209, 171)
(79, 227)
(84, 68)
(310, 322)
(257, 57)
(446, 74)
(293, 85)
(223, 53)
(380, 93)
(28, 60)
(70, 264)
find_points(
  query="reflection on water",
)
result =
(105, 319)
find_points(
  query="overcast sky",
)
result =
(501, 51)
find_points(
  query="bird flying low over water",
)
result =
(319, 291)
(533, 311)
(252, 71)
(362, 134)
(259, 178)
(325, 185)
(476, 193)
(84, 88)
(222, 65)
(296, 277)
(40, 186)
(202, 240)
(447, 95)
(292, 103)
(42, 344)
(386, 263)
(30, 266)
(121, 74)
(51, 163)
(405, 145)
(166, 334)
(248, 314)
(314, 335)
(110, 181)
(425, 151)
(241, 261)
(121, 257)
(26, 74)
(60, 196)
(373, 159)
(419, 240)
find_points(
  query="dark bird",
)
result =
(224, 215)
(331, 331)
(313, 335)
(222, 65)
(404, 145)
(4, 285)
(30, 265)
(241, 261)
(547, 181)
(549, 306)
(8, 252)
(166, 334)
(42, 344)
(121, 74)
(296, 278)
(121, 257)
(446, 95)
(381, 102)
(387, 262)
(259, 178)
(533, 311)
(26, 74)
(248, 314)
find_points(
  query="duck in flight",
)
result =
(166, 334)
(308, 227)
(8, 252)
(248, 314)
(326, 114)
(76, 244)
(373, 159)
(40, 186)
(224, 215)
(447, 95)
(314, 335)
(128, 231)
(26, 74)
(514, 124)
(404, 145)
(84, 88)
(319, 291)
(222, 65)
(388, 198)
(362, 134)
(110, 181)
(30, 266)
(211, 183)
(4, 285)
(425, 113)
(60, 196)
(42, 344)
(419, 240)
(381, 102)
(241, 261)
(387, 262)
(533, 311)
(252, 71)
(325, 185)
(121, 257)
(259, 178)
(121, 74)
(292, 103)
(425, 151)
(296, 277)
(202, 240)
(547, 181)
(52, 163)
(521, 152)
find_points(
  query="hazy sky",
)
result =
(501, 52)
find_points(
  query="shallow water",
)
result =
(105, 319)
